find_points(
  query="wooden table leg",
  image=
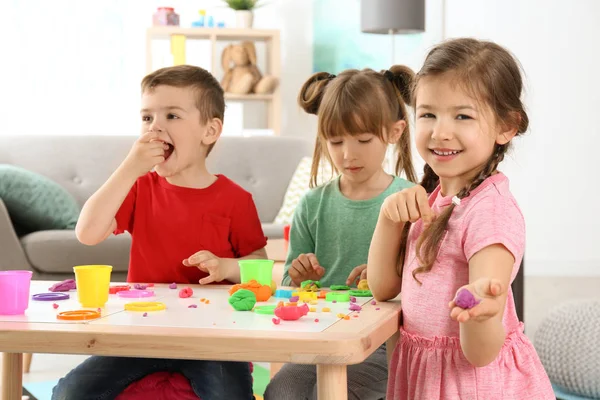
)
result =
(12, 376)
(332, 382)
(27, 357)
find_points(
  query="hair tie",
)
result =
(327, 77)
(456, 201)
(389, 75)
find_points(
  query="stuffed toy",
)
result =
(243, 77)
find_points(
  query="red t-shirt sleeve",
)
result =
(246, 230)
(124, 216)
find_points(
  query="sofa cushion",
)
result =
(35, 202)
(299, 185)
(273, 231)
(59, 251)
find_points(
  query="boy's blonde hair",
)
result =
(210, 98)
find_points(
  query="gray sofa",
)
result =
(262, 165)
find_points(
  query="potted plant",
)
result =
(243, 11)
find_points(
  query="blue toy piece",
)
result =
(283, 293)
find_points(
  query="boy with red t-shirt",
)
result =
(187, 225)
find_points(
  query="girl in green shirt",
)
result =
(360, 113)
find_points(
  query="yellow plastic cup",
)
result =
(93, 282)
(259, 270)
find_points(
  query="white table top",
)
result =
(218, 314)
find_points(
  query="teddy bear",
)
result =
(244, 77)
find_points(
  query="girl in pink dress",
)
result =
(468, 234)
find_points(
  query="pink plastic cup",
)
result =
(14, 292)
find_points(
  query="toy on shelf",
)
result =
(165, 16)
(244, 76)
(262, 292)
(291, 313)
(242, 300)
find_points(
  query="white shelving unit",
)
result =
(273, 56)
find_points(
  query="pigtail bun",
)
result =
(403, 80)
(311, 94)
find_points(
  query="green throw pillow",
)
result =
(34, 202)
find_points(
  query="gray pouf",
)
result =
(568, 343)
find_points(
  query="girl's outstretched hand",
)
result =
(488, 298)
(408, 205)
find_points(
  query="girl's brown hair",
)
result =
(491, 75)
(356, 102)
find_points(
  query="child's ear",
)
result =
(396, 130)
(506, 136)
(508, 132)
(213, 131)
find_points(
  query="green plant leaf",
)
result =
(242, 4)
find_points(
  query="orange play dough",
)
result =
(262, 292)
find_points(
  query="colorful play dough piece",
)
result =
(118, 288)
(63, 286)
(262, 292)
(360, 293)
(465, 299)
(310, 286)
(291, 313)
(355, 307)
(363, 285)
(173, 286)
(339, 287)
(307, 296)
(186, 292)
(243, 300)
